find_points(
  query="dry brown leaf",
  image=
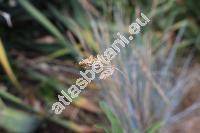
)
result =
(5, 63)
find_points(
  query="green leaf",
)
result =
(103, 127)
(42, 19)
(17, 121)
(115, 123)
(6, 95)
(9, 96)
(155, 127)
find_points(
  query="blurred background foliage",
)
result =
(41, 45)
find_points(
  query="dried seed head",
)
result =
(107, 73)
(88, 61)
